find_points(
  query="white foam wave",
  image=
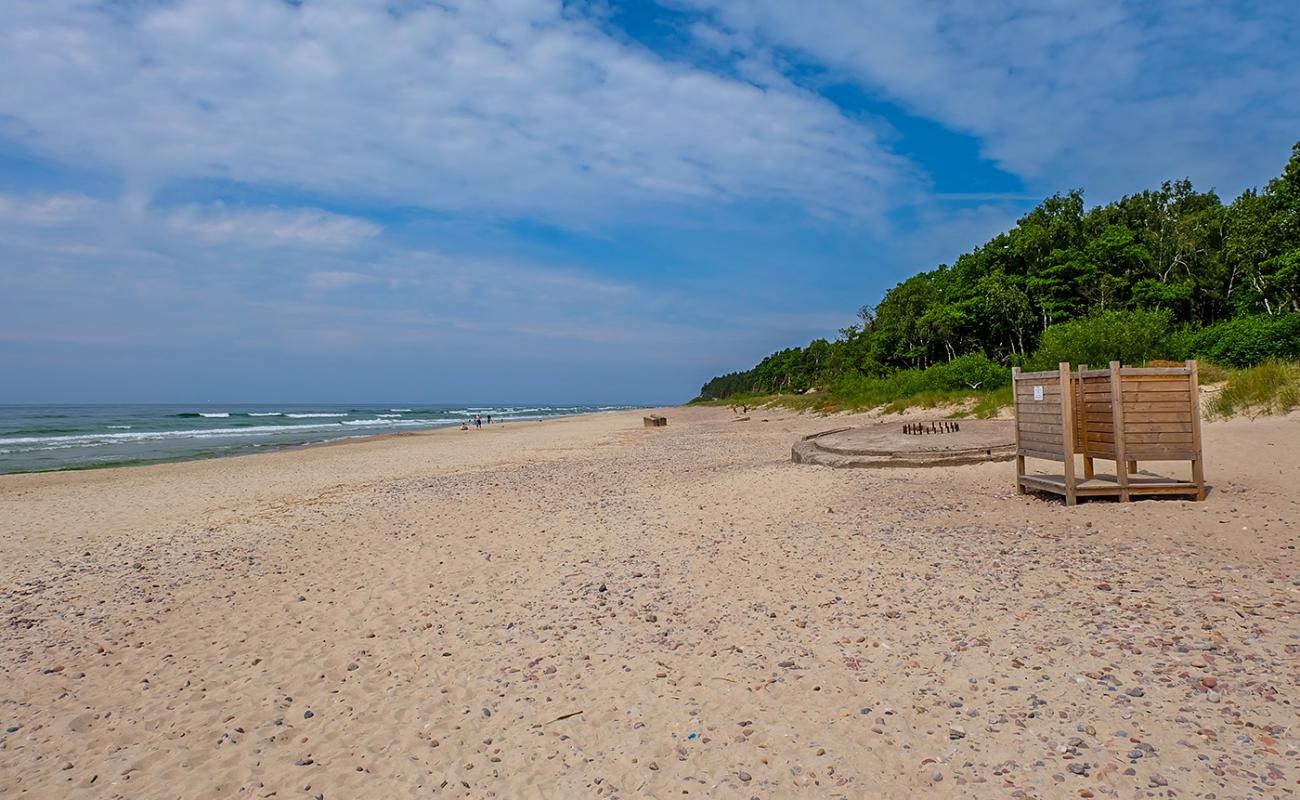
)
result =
(387, 416)
(266, 413)
(119, 427)
(314, 415)
(214, 414)
(399, 410)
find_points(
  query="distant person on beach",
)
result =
(489, 419)
(478, 422)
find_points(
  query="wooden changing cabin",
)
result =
(1154, 416)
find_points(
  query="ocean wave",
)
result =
(266, 413)
(400, 410)
(214, 414)
(119, 427)
(314, 415)
(387, 416)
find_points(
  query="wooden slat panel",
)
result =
(1049, 395)
(1045, 446)
(1040, 427)
(1029, 414)
(1157, 417)
(1154, 386)
(1041, 436)
(1039, 376)
(1034, 452)
(1157, 427)
(1131, 398)
(1155, 372)
(1146, 438)
(1146, 406)
(1160, 452)
(1044, 407)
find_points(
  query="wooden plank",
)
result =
(1157, 417)
(1042, 441)
(1131, 438)
(1050, 394)
(1038, 376)
(1148, 407)
(1045, 455)
(1131, 398)
(1155, 372)
(1158, 427)
(1041, 427)
(1160, 452)
(1154, 386)
(1034, 415)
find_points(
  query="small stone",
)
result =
(936, 776)
(307, 714)
(602, 588)
(651, 618)
(1136, 691)
(353, 667)
(1135, 754)
(744, 776)
(1079, 768)
(1209, 681)
(1212, 696)
(654, 765)
(487, 712)
(1157, 779)
(12, 728)
(956, 732)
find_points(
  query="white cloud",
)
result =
(501, 107)
(42, 210)
(1109, 94)
(309, 227)
(329, 280)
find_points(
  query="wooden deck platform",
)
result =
(1109, 486)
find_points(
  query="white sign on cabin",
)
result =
(1038, 393)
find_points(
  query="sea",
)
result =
(38, 438)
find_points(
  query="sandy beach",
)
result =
(588, 608)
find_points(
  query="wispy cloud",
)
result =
(1109, 94)
(481, 106)
(309, 227)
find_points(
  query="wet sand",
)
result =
(588, 608)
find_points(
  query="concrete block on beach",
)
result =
(655, 421)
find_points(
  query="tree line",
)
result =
(1192, 275)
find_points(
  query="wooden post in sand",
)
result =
(1067, 431)
(1020, 457)
(1198, 468)
(1117, 424)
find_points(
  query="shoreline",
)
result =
(257, 450)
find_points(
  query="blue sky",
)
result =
(509, 200)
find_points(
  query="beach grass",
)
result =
(1272, 387)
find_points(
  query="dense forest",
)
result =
(1167, 273)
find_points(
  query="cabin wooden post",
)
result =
(1198, 468)
(1020, 458)
(1082, 427)
(1117, 418)
(1067, 431)
(1132, 467)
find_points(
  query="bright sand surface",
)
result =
(589, 608)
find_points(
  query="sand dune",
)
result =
(588, 608)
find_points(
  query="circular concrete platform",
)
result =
(885, 445)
